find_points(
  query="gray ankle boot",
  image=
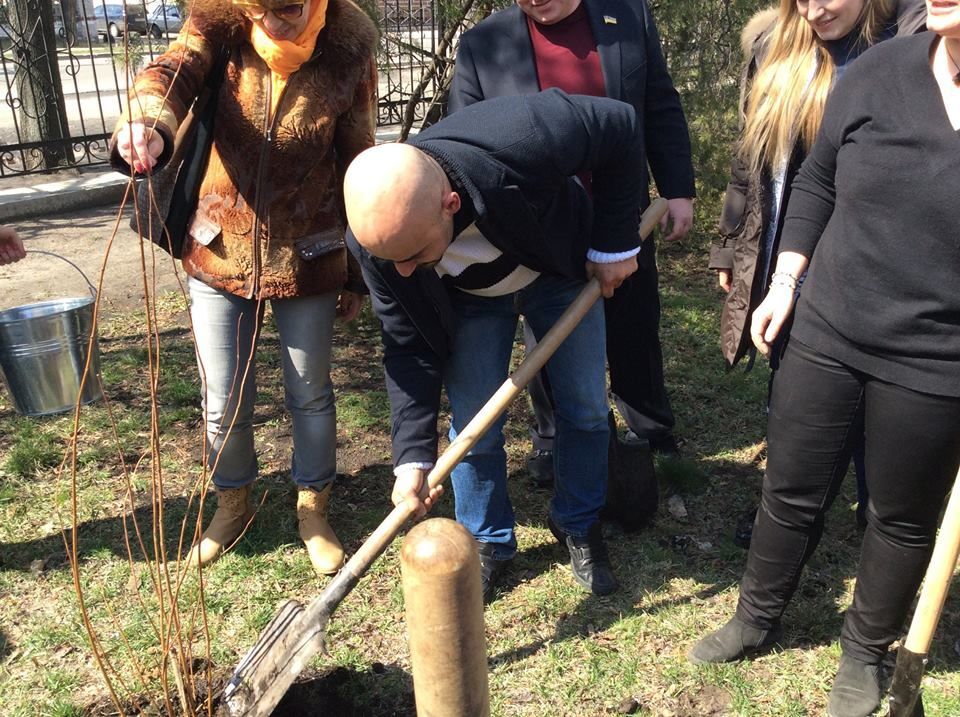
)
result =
(856, 689)
(733, 642)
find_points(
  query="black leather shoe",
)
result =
(491, 571)
(588, 559)
(856, 689)
(732, 642)
(540, 468)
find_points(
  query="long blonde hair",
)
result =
(785, 103)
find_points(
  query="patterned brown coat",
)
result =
(270, 219)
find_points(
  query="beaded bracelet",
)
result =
(782, 278)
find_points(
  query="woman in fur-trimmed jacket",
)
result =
(794, 56)
(296, 104)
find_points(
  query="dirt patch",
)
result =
(82, 237)
(324, 693)
(330, 693)
(708, 701)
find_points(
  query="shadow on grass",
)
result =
(358, 504)
(593, 614)
(48, 553)
(683, 547)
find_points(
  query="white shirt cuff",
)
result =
(412, 465)
(603, 257)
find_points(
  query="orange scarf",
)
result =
(284, 57)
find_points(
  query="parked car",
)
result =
(113, 20)
(164, 18)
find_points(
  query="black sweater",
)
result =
(879, 199)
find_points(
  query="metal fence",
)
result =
(66, 65)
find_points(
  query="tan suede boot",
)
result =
(233, 513)
(326, 552)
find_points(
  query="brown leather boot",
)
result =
(326, 552)
(233, 514)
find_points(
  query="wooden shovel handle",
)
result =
(512, 387)
(936, 583)
(651, 217)
(481, 422)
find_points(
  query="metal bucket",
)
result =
(43, 353)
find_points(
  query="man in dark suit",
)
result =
(479, 219)
(606, 48)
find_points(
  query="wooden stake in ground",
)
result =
(444, 610)
(912, 656)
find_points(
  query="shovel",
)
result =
(296, 632)
(904, 699)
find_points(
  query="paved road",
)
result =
(82, 237)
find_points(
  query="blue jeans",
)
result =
(227, 330)
(479, 364)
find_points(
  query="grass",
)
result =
(552, 649)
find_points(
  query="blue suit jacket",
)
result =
(514, 160)
(495, 59)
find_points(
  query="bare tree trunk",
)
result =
(442, 58)
(41, 111)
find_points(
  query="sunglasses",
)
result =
(287, 12)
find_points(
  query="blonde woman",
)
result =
(874, 350)
(795, 54)
(297, 103)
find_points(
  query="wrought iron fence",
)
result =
(66, 66)
(410, 31)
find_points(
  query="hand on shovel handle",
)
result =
(411, 487)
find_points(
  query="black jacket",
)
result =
(514, 161)
(495, 59)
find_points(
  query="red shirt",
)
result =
(565, 56)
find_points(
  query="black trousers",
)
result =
(633, 354)
(818, 409)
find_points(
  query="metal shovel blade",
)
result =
(904, 699)
(285, 646)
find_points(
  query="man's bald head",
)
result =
(400, 205)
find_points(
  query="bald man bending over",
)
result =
(478, 220)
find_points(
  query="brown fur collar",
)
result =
(349, 35)
(758, 26)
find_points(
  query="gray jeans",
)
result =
(227, 329)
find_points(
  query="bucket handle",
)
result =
(93, 290)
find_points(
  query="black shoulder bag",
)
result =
(176, 187)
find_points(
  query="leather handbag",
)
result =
(163, 217)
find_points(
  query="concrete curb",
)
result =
(92, 190)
